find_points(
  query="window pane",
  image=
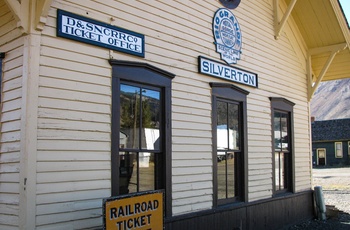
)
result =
(146, 162)
(230, 175)
(339, 149)
(233, 120)
(221, 176)
(127, 172)
(279, 170)
(130, 114)
(277, 130)
(321, 153)
(151, 109)
(281, 131)
(221, 126)
(284, 131)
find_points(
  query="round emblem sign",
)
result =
(231, 4)
(227, 35)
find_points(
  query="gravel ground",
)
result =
(335, 184)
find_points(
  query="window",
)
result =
(229, 143)
(141, 128)
(2, 55)
(321, 156)
(282, 120)
(338, 149)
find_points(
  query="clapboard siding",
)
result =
(10, 114)
(74, 105)
(73, 160)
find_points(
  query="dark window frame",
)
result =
(229, 92)
(282, 105)
(141, 73)
(2, 56)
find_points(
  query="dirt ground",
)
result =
(335, 184)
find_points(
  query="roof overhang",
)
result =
(326, 34)
(21, 10)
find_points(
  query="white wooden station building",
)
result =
(206, 102)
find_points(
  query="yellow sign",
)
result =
(143, 211)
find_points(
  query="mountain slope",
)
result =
(331, 100)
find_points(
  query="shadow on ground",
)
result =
(336, 220)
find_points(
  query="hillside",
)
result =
(331, 100)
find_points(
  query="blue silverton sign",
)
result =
(227, 35)
(216, 69)
(100, 34)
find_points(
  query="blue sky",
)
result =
(346, 8)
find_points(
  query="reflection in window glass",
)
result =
(281, 131)
(130, 115)
(233, 126)
(279, 171)
(140, 117)
(228, 139)
(140, 121)
(227, 126)
(127, 172)
(281, 149)
(226, 175)
(150, 119)
(221, 127)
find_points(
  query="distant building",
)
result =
(331, 142)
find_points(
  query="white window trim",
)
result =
(341, 149)
(325, 156)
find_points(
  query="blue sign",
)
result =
(86, 30)
(227, 35)
(217, 69)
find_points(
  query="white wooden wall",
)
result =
(74, 105)
(10, 117)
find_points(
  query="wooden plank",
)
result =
(80, 94)
(73, 86)
(190, 186)
(190, 162)
(78, 67)
(60, 114)
(8, 209)
(55, 177)
(72, 196)
(43, 220)
(63, 74)
(54, 134)
(191, 179)
(72, 166)
(73, 105)
(11, 105)
(191, 193)
(191, 170)
(59, 207)
(72, 145)
(193, 200)
(71, 186)
(47, 156)
(65, 124)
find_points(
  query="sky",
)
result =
(346, 8)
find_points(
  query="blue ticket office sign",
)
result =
(97, 33)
